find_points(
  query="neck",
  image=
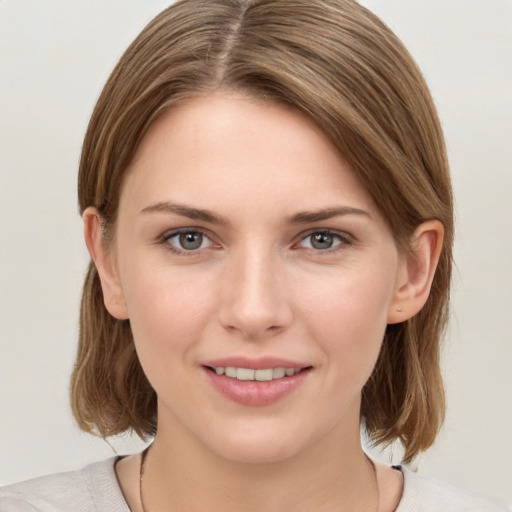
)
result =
(332, 474)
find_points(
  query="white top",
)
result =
(95, 489)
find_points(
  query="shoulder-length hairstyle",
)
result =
(340, 65)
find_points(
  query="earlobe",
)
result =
(417, 272)
(104, 260)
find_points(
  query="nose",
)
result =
(254, 299)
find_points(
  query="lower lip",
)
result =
(256, 393)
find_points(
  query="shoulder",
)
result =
(424, 494)
(94, 487)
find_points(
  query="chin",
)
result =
(258, 453)
(259, 445)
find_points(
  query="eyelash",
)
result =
(343, 240)
(165, 239)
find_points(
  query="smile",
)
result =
(256, 387)
(261, 375)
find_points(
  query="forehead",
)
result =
(228, 149)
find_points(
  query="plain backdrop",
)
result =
(54, 58)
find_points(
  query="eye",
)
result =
(323, 240)
(187, 240)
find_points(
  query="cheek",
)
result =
(168, 308)
(347, 316)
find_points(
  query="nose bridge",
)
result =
(255, 303)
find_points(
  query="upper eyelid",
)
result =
(335, 232)
(298, 238)
(171, 233)
(175, 248)
(178, 231)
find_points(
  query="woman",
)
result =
(267, 205)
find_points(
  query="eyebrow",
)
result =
(327, 213)
(185, 211)
(208, 216)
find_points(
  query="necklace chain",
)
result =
(143, 468)
(141, 475)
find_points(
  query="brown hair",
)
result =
(340, 65)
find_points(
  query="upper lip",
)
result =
(259, 363)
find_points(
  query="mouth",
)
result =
(256, 381)
(259, 375)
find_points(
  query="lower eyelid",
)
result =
(171, 234)
(342, 238)
(165, 239)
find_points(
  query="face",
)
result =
(258, 277)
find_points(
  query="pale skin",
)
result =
(257, 275)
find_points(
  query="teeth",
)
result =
(229, 372)
(279, 373)
(245, 374)
(263, 375)
(266, 374)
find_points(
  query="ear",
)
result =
(417, 271)
(103, 257)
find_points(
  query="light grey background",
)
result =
(54, 58)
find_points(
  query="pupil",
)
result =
(322, 241)
(191, 241)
